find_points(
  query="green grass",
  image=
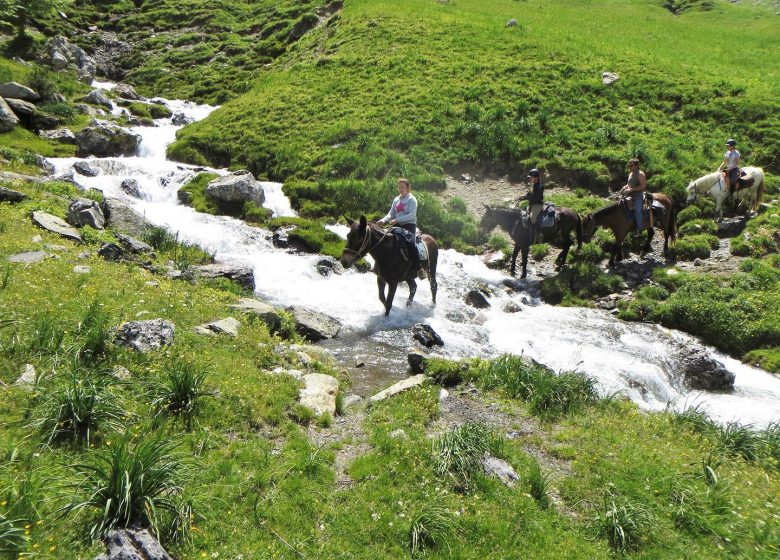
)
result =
(458, 453)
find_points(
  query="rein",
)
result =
(364, 244)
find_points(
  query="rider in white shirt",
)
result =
(731, 164)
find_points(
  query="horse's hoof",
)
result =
(408, 304)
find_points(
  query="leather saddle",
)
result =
(744, 181)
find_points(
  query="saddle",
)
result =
(647, 202)
(651, 208)
(545, 220)
(743, 180)
(403, 240)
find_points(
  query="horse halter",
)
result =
(364, 244)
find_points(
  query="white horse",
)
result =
(714, 184)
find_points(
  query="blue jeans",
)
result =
(637, 198)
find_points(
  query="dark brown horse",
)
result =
(511, 221)
(615, 218)
(389, 264)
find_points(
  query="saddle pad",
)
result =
(547, 218)
(422, 250)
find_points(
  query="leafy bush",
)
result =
(458, 453)
(498, 242)
(688, 214)
(159, 238)
(692, 247)
(131, 483)
(694, 227)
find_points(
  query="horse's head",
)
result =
(589, 227)
(489, 220)
(357, 242)
(691, 188)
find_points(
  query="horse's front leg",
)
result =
(381, 285)
(514, 259)
(719, 210)
(647, 246)
(391, 287)
(525, 262)
(561, 260)
(412, 291)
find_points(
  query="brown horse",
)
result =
(390, 265)
(614, 217)
(511, 221)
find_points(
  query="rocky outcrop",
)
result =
(228, 326)
(98, 97)
(329, 265)
(86, 212)
(425, 335)
(108, 51)
(120, 216)
(84, 168)
(701, 371)
(60, 54)
(241, 274)
(126, 91)
(400, 387)
(55, 225)
(10, 195)
(18, 91)
(8, 119)
(314, 325)
(106, 141)
(265, 311)
(132, 544)
(131, 188)
(319, 393)
(235, 189)
(39, 121)
(417, 362)
(145, 336)
(62, 135)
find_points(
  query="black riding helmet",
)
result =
(533, 173)
(731, 142)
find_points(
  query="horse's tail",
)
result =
(759, 194)
(579, 232)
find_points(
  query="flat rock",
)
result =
(314, 353)
(86, 212)
(265, 311)
(228, 326)
(121, 373)
(296, 373)
(609, 78)
(121, 217)
(10, 195)
(55, 225)
(133, 245)
(97, 97)
(319, 393)
(500, 469)
(241, 274)
(145, 336)
(352, 400)
(111, 252)
(512, 307)
(30, 257)
(18, 91)
(27, 377)
(107, 141)
(314, 325)
(132, 544)
(180, 119)
(401, 386)
(62, 135)
(126, 91)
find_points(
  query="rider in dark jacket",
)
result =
(535, 201)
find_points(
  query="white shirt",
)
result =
(732, 159)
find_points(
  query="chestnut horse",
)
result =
(614, 217)
(390, 265)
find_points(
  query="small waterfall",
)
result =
(637, 359)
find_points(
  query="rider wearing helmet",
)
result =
(535, 201)
(731, 164)
(403, 214)
(635, 188)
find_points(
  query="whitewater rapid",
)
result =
(639, 360)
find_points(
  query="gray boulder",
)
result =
(500, 469)
(417, 362)
(86, 212)
(267, 313)
(27, 378)
(145, 336)
(184, 197)
(60, 54)
(477, 299)
(21, 107)
(180, 119)
(132, 544)
(235, 189)
(701, 371)
(98, 97)
(425, 335)
(131, 188)
(111, 252)
(39, 121)
(62, 135)
(512, 23)
(328, 265)
(400, 387)
(106, 141)
(55, 225)
(319, 393)
(228, 326)
(18, 91)
(30, 257)
(314, 325)
(84, 168)
(120, 216)
(242, 275)
(133, 245)
(126, 91)
(10, 195)
(609, 78)
(8, 119)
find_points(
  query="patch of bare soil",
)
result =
(348, 435)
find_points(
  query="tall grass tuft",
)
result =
(431, 528)
(181, 391)
(625, 524)
(131, 484)
(740, 440)
(159, 238)
(24, 496)
(539, 485)
(458, 453)
(770, 439)
(46, 337)
(695, 418)
(94, 334)
(74, 410)
(12, 537)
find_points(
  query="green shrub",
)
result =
(196, 188)
(693, 247)
(768, 359)
(538, 483)
(688, 214)
(694, 227)
(131, 483)
(94, 334)
(12, 535)
(159, 238)
(445, 372)
(255, 214)
(150, 110)
(498, 242)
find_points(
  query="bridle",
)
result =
(365, 243)
(708, 189)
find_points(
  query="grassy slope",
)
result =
(410, 87)
(262, 490)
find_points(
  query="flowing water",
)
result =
(638, 360)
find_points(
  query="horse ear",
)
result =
(350, 221)
(362, 222)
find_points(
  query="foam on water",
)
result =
(637, 359)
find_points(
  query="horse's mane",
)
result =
(505, 210)
(602, 211)
(712, 177)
